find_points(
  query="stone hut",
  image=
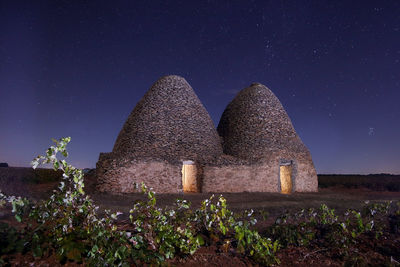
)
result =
(169, 142)
(256, 128)
(168, 126)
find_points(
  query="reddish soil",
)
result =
(372, 252)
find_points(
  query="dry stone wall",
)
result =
(245, 178)
(170, 125)
(306, 176)
(118, 176)
(262, 176)
(254, 123)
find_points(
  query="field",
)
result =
(338, 192)
(374, 182)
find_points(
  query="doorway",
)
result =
(285, 175)
(189, 177)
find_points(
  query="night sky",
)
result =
(78, 68)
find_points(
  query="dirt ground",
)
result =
(273, 204)
(337, 197)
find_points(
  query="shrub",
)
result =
(68, 224)
(221, 225)
(160, 234)
(323, 228)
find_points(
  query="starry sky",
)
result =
(78, 68)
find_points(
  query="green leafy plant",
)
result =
(323, 228)
(216, 221)
(68, 224)
(161, 233)
(10, 240)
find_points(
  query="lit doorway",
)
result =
(189, 177)
(285, 175)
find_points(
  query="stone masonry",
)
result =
(255, 123)
(170, 125)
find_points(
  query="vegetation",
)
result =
(69, 225)
(325, 230)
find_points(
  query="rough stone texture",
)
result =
(255, 127)
(169, 123)
(255, 123)
(119, 175)
(245, 178)
(262, 176)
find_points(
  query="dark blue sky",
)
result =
(77, 68)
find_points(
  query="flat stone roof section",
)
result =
(169, 123)
(255, 123)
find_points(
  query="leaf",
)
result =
(222, 227)
(56, 165)
(117, 255)
(276, 246)
(18, 218)
(239, 234)
(80, 190)
(14, 207)
(34, 164)
(200, 240)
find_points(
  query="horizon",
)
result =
(342, 174)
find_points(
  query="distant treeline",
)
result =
(377, 182)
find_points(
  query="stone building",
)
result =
(169, 142)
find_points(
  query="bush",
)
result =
(11, 240)
(323, 228)
(68, 224)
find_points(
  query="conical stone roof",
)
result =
(255, 123)
(169, 123)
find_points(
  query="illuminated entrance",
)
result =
(189, 177)
(285, 175)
